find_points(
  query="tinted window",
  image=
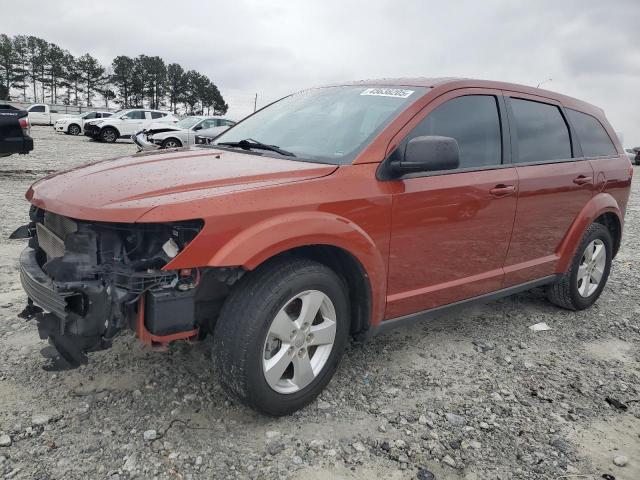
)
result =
(157, 115)
(91, 115)
(593, 137)
(135, 115)
(37, 108)
(474, 122)
(540, 131)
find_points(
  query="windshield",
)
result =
(188, 122)
(329, 125)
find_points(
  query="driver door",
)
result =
(451, 229)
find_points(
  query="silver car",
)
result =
(180, 134)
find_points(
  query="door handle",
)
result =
(582, 180)
(502, 190)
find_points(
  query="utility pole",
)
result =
(544, 81)
(255, 102)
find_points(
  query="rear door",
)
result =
(555, 183)
(451, 229)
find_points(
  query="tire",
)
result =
(74, 129)
(571, 291)
(171, 143)
(245, 346)
(109, 135)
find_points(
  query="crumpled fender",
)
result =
(261, 241)
(598, 205)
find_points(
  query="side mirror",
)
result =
(428, 154)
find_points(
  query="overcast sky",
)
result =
(591, 49)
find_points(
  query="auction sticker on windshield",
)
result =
(388, 92)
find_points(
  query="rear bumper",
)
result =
(16, 145)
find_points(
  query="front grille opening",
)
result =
(59, 225)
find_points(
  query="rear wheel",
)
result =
(108, 135)
(73, 129)
(583, 283)
(281, 334)
(171, 143)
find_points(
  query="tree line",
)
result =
(45, 72)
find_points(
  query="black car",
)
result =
(14, 131)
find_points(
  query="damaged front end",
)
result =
(87, 281)
(145, 141)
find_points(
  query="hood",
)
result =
(162, 126)
(123, 189)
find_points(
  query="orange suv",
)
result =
(334, 212)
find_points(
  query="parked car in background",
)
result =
(206, 136)
(125, 123)
(14, 131)
(634, 155)
(328, 214)
(74, 125)
(42, 114)
(180, 134)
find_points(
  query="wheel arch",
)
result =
(73, 123)
(165, 140)
(112, 128)
(602, 208)
(347, 266)
(328, 238)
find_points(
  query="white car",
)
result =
(125, 123)
(73, 125)
(181, 134)
(43, 114)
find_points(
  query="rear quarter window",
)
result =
(594, 139)
(541, 132)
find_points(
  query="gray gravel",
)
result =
(475, 395)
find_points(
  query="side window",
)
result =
(135, 115)
(593, 137)
(541, 133)
(229, 123)
(157, 115)
(91, 115)
(474, 122)
(37, 109)
(208, 124)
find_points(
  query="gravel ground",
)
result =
(475, 395)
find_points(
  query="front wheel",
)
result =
(171, 143)
(582, 284)
(281, 334)
(108, 135)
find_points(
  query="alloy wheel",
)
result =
(592, 266)
(299, 342)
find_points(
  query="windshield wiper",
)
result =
(250, 143)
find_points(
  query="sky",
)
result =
(589, 49)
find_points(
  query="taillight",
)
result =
(24, 124)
